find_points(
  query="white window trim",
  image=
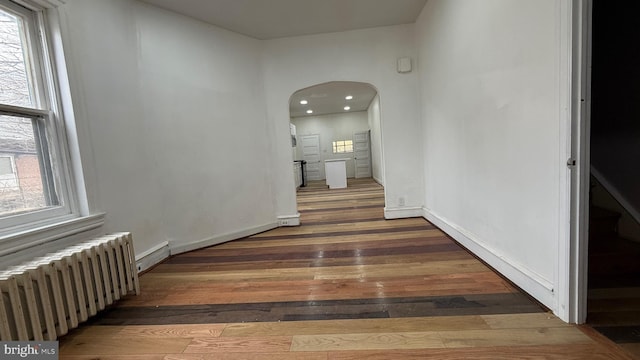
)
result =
(76, 219)
(38, 235)
(334, 145)
(47, 87)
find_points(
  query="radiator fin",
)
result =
(46, 297)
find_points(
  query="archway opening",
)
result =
(333, 121)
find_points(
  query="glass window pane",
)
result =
(6, 166)
(26, 188)
(15, 85)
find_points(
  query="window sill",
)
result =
(26, 239)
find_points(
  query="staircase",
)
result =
(613, 260)
(614, 281)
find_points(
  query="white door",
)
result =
(362, 154)
(311, 154)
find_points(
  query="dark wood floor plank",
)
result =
(305, 263)
(326, 240)
(403, 307)
(316, 253)
(429, 238)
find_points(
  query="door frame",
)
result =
(573, 255)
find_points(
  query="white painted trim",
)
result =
(162, 251)
(564, 98)
(379, 181)
(581, 137)
(153, 256)
(575, 91)
(219, 239)
(529, 281)
(289, 220)
(30, 238)
(402, 212)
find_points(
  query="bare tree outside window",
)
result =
(14, 86)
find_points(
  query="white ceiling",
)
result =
(270, 19)
(329, 98)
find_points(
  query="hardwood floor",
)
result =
(347, 284)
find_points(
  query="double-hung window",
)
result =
(35, 182)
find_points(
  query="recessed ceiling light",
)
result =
(309, 111)
(349, 97)
(303, 102)
(347, 108)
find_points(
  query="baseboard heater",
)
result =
(46, 297)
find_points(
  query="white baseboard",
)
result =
(219, 239)
(402, 212)
(149, 258)
(379, 181)
(526, 279)
(289, 220)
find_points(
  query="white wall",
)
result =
(489, 76)
(331, 128)
(377, 162)
(472, 138)
(172, 123)
(367, 56)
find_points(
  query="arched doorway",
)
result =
(336, 120)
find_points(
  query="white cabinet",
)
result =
(336, 173)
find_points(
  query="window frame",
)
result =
(336, 145)
(49, 126)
